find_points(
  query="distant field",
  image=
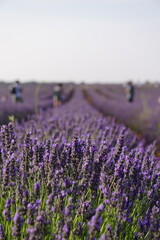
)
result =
(143, 115)
(35, 96)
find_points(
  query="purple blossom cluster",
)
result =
(70, 173)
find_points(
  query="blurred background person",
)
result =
(57, 95)
(16, 92)
(130, 91)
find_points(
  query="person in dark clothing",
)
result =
(16, 92)
(130, 91)
(57, 95)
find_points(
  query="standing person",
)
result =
(130, 91)
(57, 95)
(16, 92)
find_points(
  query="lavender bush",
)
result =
(70, 173)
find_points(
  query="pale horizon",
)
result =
(99, 41)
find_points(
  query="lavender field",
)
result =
(142, 115)
(75, 173)
(36, 96)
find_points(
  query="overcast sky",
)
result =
(89, 40)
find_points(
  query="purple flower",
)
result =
(144, 224)
(36, 188)
(37, 203)
(18, 222)
(7, 214)
(8, 203)
(2, 233)
(66, 230)
(100, 208)
(50, 199)
(31, 233)
(102, 237)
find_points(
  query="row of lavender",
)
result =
(142, 114)
(70, 173)
(35, 96)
